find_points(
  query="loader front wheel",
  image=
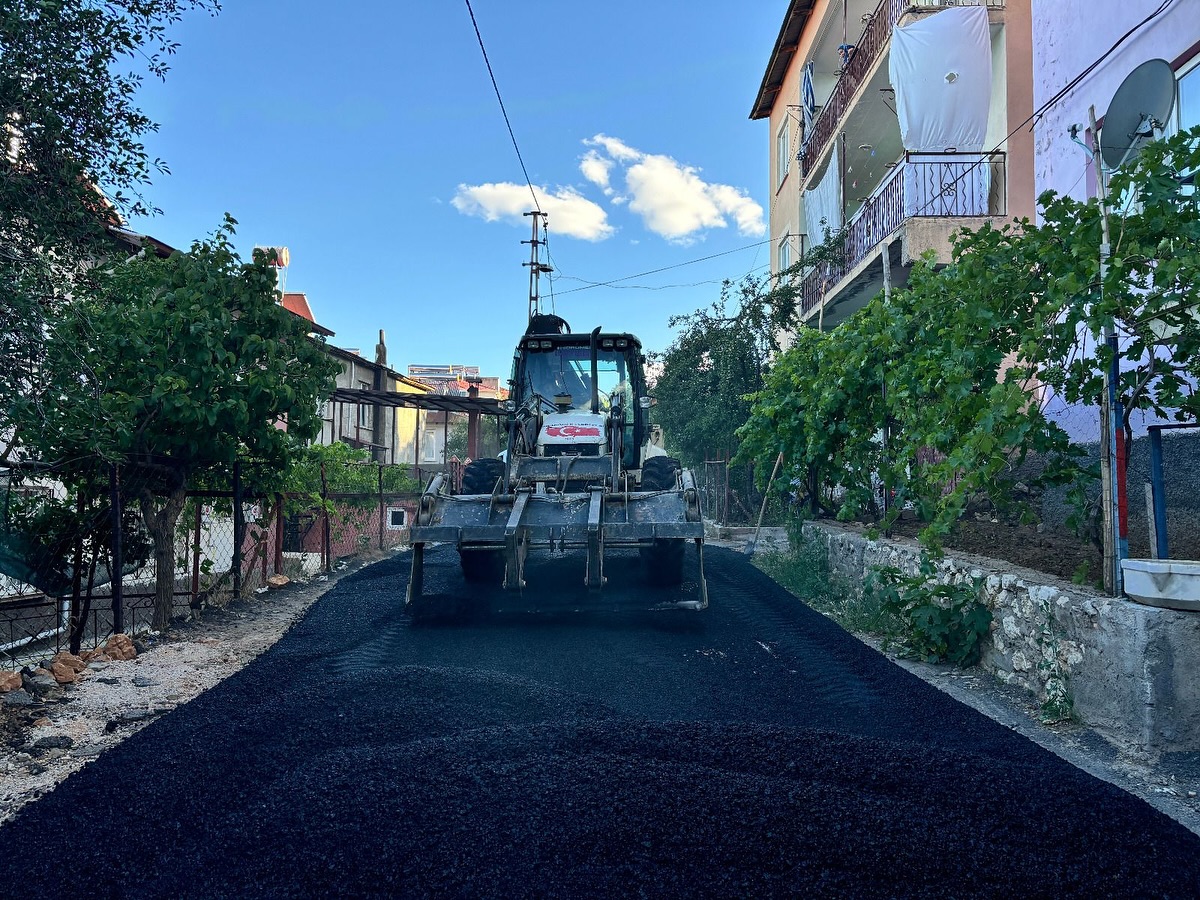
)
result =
(480, 475)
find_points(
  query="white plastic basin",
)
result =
(1169, 583)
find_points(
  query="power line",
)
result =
(503, 111)
(595, 284)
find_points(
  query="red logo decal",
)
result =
(570, 431)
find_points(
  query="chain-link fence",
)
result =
(59, 547)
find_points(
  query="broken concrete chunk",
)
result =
(41, 684)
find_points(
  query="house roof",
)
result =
(135, 241)
(356, 357)
(297, 304)
(794, 21)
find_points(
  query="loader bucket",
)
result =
(535, 518)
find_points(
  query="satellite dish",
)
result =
(1138, 109)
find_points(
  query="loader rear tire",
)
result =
(480, 475)
(664, 560)
(660, 473)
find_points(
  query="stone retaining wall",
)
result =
(1127, 670)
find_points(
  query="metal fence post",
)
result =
(118, 556)
(74, 626)
(279, 534)
(196, 550)
(238, 530)
(382, 511)
(325, 544)
(1158, 489)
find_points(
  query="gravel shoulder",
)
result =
(43, 744)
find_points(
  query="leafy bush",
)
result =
(941, 622)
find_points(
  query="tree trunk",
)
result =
(160, 523)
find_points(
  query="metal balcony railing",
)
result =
(875, 37)
(925, 185)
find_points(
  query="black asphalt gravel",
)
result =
(754, 749)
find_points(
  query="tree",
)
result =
(178, 369)
(717, 360)
(934, 391)
(69, 129)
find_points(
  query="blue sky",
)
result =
(366, 137)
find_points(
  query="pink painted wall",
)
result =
(1068, 36)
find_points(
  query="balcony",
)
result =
(876, 36)
(924, 186)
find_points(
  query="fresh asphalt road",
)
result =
(753, 749)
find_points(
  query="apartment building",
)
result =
(893, 124)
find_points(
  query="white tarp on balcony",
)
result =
(941, 70)
(824, 202)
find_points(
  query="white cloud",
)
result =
(736, 203)
(595, 168)
(614, 147)
(672, 199)
(570, 213)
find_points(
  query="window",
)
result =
(783, 149)
(785, 253)
(429, 445)
(397, 518)
(1188, 107)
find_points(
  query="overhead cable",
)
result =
(503, 111)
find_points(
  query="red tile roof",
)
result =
(297, 304)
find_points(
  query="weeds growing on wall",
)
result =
(940, 622)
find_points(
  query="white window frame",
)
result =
(391, 518)
(364, 419)
(1190, 73)
(783, 250)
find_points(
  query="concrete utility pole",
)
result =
(536, 268)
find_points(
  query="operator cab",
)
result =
(552, 380)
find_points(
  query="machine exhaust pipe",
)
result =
(595, 372)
